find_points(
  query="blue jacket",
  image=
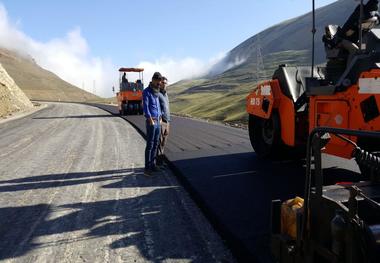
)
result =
(151, 104)
(164, 103)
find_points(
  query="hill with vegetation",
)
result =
(220, 95)
(38, 83)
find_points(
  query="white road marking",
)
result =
(232, 174)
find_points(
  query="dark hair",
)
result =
(157, 76)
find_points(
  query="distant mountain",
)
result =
(294, 34)
(221, 94)
(38, 83)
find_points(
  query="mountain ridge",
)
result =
(38, 83)
(292, 33)
(288, 42)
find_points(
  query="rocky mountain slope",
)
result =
(12, 98)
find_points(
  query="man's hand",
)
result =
(167, 129)
(151, 121)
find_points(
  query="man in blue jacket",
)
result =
(152, 113)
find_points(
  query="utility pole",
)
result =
(313, 31)
(260, 74)
(94, 88)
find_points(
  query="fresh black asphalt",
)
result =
(231, 184)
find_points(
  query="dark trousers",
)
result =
(152, 137)
(161, 145)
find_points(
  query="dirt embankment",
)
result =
(12, 98)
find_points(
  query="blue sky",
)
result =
(150, 33)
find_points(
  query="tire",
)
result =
(124, 109)
(265, 137)
(135, 109)
(130, 108)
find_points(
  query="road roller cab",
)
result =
(278, 111)
(129, 97)
(343, 94)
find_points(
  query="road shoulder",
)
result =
(21, 114)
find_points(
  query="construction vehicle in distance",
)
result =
(129, 98)
(344, 94)
(331, 110)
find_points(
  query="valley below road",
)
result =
(72, 189)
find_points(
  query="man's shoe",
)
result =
(155, 169)
(148, 172)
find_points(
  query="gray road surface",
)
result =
(72, 190)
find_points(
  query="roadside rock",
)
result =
(12, 98)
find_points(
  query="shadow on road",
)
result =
(150, 222)
(64, 179)
(16, 227)
(76, 117)
(66, 176)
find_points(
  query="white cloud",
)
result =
(176, 70)
(69, 57)
(224, 65)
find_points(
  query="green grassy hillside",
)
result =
(222, 98)
(221, 94)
